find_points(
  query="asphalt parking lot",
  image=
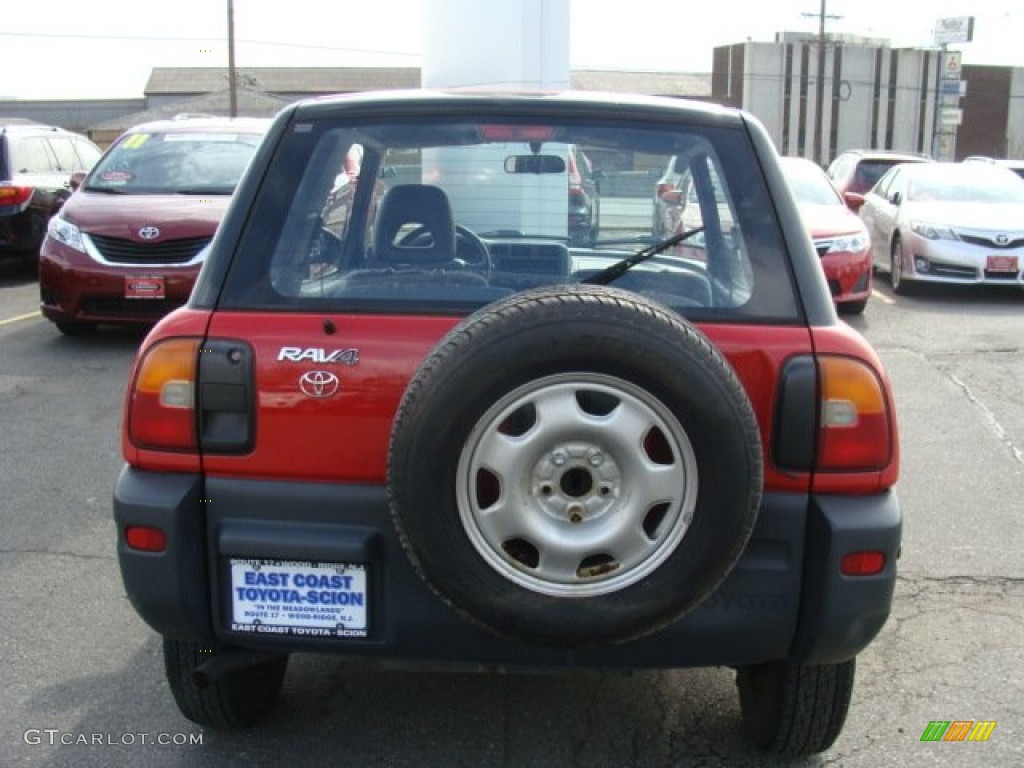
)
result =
(82, 680)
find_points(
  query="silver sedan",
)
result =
(947, 223)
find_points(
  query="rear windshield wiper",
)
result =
(619, 268)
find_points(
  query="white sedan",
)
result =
(947, 223)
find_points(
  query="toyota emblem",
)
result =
(149, 233)
(319, 384)
(1002, 239)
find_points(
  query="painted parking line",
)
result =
(17, 318)
(882, 297)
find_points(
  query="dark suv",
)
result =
(430, 426)
(36, 164)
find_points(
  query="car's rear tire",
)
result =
(574, 465)
(794, 709)
(237, 699)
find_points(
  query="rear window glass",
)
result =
(434, 215)
(175, 163)
(869, 172)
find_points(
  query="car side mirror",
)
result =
(895, 198)
(672, 196)
(853, 200)
(76, 180)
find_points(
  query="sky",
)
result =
(80, 49)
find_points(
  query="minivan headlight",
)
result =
(63, 231)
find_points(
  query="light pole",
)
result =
(232, 80)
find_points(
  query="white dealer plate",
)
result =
(284, 597)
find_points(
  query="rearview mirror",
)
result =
(535, 164)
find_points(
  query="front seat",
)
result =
(404, 209)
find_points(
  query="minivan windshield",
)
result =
(188, 163)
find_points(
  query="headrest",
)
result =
(413, 206)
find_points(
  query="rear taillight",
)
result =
(161, 411)
(855, 429)
(12, 195)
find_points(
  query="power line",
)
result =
(154, 38)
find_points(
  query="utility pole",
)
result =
(232, 80)
(819, 87)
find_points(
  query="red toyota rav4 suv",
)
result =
(419, 430)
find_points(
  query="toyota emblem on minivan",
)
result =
(149, 233)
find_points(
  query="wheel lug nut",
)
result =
(596, 459)
(558, 458)
(575, 513)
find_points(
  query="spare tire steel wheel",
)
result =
(574, 465)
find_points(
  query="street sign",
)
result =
(951, 116)
(952, 65)
(953, 87)
(959, 29)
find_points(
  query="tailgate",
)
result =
(327, 387)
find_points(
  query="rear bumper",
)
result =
(777, 603)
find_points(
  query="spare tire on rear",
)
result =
(574, 465)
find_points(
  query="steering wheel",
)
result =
(470, 250)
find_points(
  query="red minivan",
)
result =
(128, 245)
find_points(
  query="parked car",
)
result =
(1017, 166)
(677, 206)
(855, 171)
(947, 223)
(672, 192)
(36, 164)
(127, 247)
(437, 437)
(839, 235)
(584, 221)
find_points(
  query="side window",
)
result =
(312, 245)
(67, 160)
(884, 184)
(34, 156)
(88, 154)
(894, 185)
